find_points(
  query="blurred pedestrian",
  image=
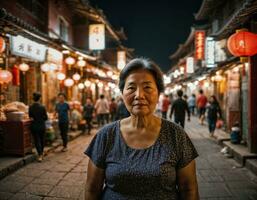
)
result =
(102, 110)
(122, 111)
(213, 114)
(179, 108)
(141, 156)
(62, 110)
(37, 113)
(165, 106)
(192, 103)
(201, 106)
(113, 109)
(88, 111)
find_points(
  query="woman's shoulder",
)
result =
(171, 129)
(107, 129)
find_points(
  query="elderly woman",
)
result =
(142, 156)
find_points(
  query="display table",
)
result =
(16, 137)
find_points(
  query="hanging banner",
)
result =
(210, 52)
(96, 36)
(121, 59)
(199, 45)
(190, 65)
(27, 48)
(54, 56)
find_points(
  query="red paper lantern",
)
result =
(242, 43)
(2, 45)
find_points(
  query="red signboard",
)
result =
(199, 45)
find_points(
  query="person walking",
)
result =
(213, 114)
(179, 108)
(63, 111)
(122, 111)
(37, 113)
(165, 106)
(201, 106)
(88, 111)
(102, 110)
(113, 109)
(191, 104)
(142, 156)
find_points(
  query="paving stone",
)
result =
(48, 181)
(66, 192)
(31, 172)
(37, 189)
(10, 186)
(52, 175)
(5, 195)
(26, 196)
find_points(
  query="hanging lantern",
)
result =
(100, 84)
(2, 45)
(76, 77)
(61, 76)
(24, 67)
(242, 43)
(69, 60)
(109, 73)
(81, 63)
(81, 86)
(87, 83)
(5, 76)
(45, 67)
(68, 82)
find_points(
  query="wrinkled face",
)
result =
(140, 93)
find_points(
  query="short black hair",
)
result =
(180, 93)
(36, 96)
(62, 94)
(145, 64)
(201, 91)
(101, 96)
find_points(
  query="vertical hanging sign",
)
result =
(96, 36)
(199, 44)
(121, 59)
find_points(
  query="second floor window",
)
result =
(63, 29)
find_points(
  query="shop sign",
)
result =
(220, 54)
(121, 59)
(190, 65)
(210, 52)
(27, 48)
(96, 36)
(54, 56)
(199, 44)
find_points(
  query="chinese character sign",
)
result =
(121, 59)
(24, 47)
(190, 65)
(199, 45)
(96, 36)
(210, 52)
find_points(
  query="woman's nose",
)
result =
(139, 93)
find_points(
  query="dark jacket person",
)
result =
(141, 156)
(37, 113)
(179, 108)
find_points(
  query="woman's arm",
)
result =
(95, 181)
(187, 182)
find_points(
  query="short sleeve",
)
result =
(186, 150)
(96, 149)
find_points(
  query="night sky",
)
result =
(154, 28)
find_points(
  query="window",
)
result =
(63, 29)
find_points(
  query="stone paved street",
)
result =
(63, 175)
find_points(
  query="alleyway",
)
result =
(62, 175)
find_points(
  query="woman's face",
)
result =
(140, 93)
(211, 99)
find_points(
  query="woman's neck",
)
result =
(142, 122)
